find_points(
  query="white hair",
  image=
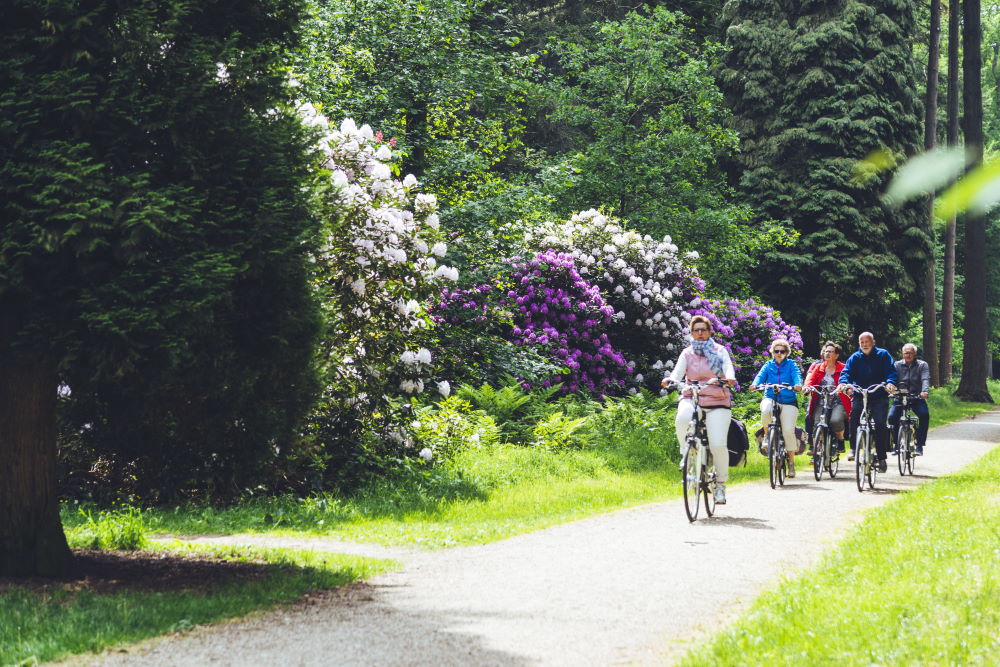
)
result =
(910, 346)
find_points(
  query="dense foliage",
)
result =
(157, 211)
(841, 85)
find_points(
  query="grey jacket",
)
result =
(916, 378)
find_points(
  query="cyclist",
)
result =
(868, 366)
(705, 360)
(914, 376)
(827, 374)
(777, 370)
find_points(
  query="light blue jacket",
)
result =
(773, 373)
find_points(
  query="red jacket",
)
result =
(815, 375)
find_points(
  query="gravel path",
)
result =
(613, 589)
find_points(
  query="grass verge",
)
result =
(885, 598)
(57, 619)
(486, 494)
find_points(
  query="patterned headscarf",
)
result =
(708, 348)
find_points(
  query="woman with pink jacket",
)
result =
(705, 360)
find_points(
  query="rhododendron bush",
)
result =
(555, 309)
(747, 328)
(379, 270)
(647, 282)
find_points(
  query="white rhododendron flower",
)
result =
(444, 388)
(426, 454)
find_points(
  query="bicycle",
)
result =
(697, 467)
(906, 446)
(825, 456)
(777, 457)
(865, 464)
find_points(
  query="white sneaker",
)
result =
(720, 493)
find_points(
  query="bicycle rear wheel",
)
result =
(860, 454)
(819, 452)
(773, 464)
(691, 481)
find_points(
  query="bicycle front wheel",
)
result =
(901, 450)
(690, 478)
(907, 433)
(708, 488)
(871, 462)
(773, 463)
(819, 452)
(832, 459)
(860, 456)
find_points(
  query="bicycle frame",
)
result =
(864, 457)
(698, 479)
(777, 459)
(824, 458)
(907, 421)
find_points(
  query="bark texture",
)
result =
(32, 541)
(974, 368)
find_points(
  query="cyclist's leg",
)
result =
(923, 422)
(895, 412)
(717, 424)
(789, 415)
(685, 409)
(880, 412)
(838, 422)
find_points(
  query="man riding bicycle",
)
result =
(869, 366)
(915, 377)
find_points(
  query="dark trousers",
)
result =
(879, 406)
(919, 407)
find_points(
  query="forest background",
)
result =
(304, 247)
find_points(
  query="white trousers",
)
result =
(789, 415)
(717, 425)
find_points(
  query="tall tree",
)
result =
(975, 369)
(948, 281)
(930, 140)
(155, 217)
(814, 88)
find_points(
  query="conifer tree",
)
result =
(154, 224)
(815, 87)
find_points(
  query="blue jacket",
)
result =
(868, 369)
(772, 373)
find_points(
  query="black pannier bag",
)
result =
(737, 443)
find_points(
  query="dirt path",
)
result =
(614, 589)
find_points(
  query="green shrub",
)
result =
(635, 433)
(124, 530)
(451, 426)
(557, 431)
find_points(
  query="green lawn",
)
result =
(43, 625)
(917, 583)
(486, 494)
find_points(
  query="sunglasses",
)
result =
(699, 330)
(780, 350)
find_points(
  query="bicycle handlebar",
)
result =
(781, 385)
(869, 390)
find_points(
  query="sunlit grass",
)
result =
(916, 583)
(485, 494)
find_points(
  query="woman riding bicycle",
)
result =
(827, 374)
(781, 370)
(707, 360)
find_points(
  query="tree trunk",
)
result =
(974, 371)
(930, 140)
(948, 296)
(32, 541)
